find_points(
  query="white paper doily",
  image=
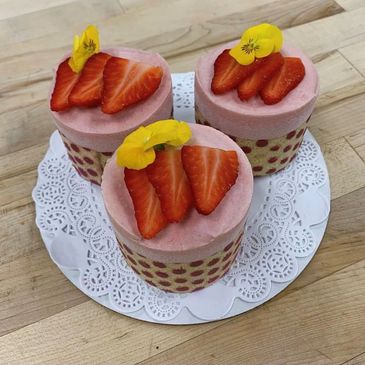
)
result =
(286, 223)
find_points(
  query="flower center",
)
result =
(250, 47)
(89, 46)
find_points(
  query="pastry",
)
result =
(178, 209)
(98, 97)
(263, 103)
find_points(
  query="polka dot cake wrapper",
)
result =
(88, 163)
(182, 277)
(266, 156)
(285, 224)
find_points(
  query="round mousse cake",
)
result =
(91, 136)
(195, 252)
(270, 135)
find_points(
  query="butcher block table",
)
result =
(318, 319)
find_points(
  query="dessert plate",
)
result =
(286, 223)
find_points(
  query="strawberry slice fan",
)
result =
(271, 77)
(178, 180)
(112, 82)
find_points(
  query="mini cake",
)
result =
(98, 98)
(179, 221)
(262, 100)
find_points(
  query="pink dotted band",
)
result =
(88, 163)
(183, 277)
(266, 155)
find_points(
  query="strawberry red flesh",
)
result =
(88, 90)
(211, 173)
(252, 85)
(284, 80)
(147, 207)
(171, 184)
(128, 82)
(228, 73)
(65, 81)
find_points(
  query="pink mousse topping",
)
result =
(197, 236)
(91, 128)
(253, 119)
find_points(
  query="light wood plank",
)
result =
(12, 8)
(33, 288)
(357, 141)
(325, 35)
(338, 79)
(25, 160)
(16, 191)
(73, 17)
(89, 333)
(340, 119)
(342, 245)
(309, 321)
(184, 31)
(351, 4)
(19, 234)
(222, 28)
(342, 162)
(19, 127)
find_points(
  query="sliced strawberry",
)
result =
(89, 87)
(211, 173)
(127, 82)
(147, 207)
(171, 184)
(228, 73)
(284, 80)
(65, 81)
(252, 85)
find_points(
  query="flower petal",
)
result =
(137, 150)
(84, 47)
(183, 134)
(270, 31)
(277, 37)
(241, 56)
(250, 34)
(134, 157)
(264, 47)
(168, 131)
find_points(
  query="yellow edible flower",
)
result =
(137, 150)
(257, 42)
(84, 47)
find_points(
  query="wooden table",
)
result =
(44, 319)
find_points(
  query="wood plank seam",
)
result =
(354, 149)
(124, 11)
(353, 358)
(344, 56)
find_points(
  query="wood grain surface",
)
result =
(318, 319)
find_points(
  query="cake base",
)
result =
(88, 163)
(183, 277)
(266, 155)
